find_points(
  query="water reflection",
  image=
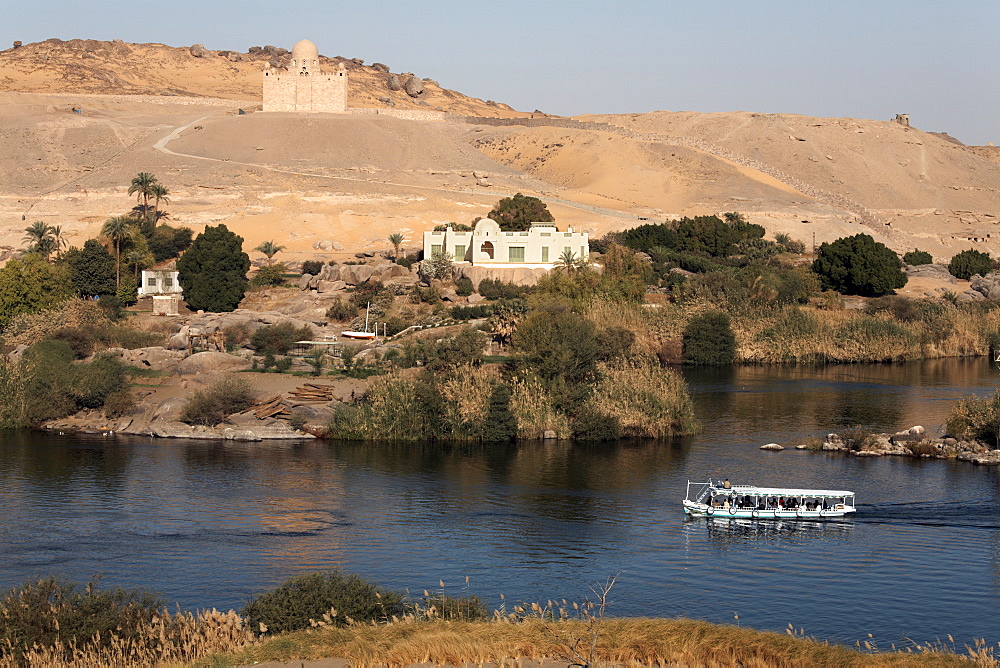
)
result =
(724, 531)
(210, 523)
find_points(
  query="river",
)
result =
(210, 524)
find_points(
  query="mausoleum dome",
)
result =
(305, 54)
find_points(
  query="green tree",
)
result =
(270, 249)
(31, 284)
(58, 239)
(213, 271)
(968, 263)
(515, 214)
(858, 265)
(396, 239)
(439, 266)
(917, 257)
(500, 424)
(118, 229)
(91, 269)
(159, 193)
(709, 340)
(142, 187)
(168, 242)
(38, 236)
(562, 348)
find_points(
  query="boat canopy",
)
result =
(782, 491)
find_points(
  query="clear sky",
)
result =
(936, 60)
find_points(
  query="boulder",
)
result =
(198, 51)
(330, 286)
(773, 447)
(988, 286)
(324, 244)
(387, 270)
(518, 276)
(379, 67)
(971, 296)
(178, 341)
(393, 83)
(355, 274)
(304, 280)
(475, 299)
(211, 361)
(386, 101)
(413, 86)
(156, 357)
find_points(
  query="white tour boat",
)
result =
(725, 500)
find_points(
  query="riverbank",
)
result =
(609, 641)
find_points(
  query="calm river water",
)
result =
(210, 524)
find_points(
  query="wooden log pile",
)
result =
(272, 407)
(311, 393)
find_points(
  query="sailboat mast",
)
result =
(367, 308)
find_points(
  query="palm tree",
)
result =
(396, 239)
(34, 233)
(159, 193)
(567, 261)
(118, 229)
(59, 241)
(142, 187)
(135, 257)
(270, 249)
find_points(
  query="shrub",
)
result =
(969, 263)
(463, 286)
(279, 339)
(273, 274)
(283, 365)
(119, 404)
(91, 384)
(976, 418)
(709, 340)
(859, 265)
(236, 335)
(212, 405)
(857, 438)
(515, 214)
(500, 424)
(494, 288)
(917, 257)
(471, 312)
(48, 610)
(342, 311)
(291, 606)
(312, 267)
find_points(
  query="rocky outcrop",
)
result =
(394, 83)
(936, 271)
(912, 442)
(199, 51)
(988, 286)
(337, 276)
(211, 361)
(519, 276)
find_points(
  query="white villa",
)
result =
(541, 247)
(160, 279)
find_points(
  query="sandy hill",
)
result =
(92, 66)
(89, 115)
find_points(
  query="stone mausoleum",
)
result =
(541, 247)
(304, 86)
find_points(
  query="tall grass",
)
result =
(647, 401)
(621, 642)
(532, 408)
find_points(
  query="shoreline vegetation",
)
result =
(588, 352)
(331, 614)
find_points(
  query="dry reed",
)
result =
(647, 401)
(620, 642)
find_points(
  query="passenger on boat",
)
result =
(725, 484)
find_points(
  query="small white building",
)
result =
(160, 279)
(541, 247)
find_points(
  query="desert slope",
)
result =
(121, 68)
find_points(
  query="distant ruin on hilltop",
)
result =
(303, 86)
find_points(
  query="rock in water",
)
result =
(774, 447)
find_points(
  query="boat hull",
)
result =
(702, 510)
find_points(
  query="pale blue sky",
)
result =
(936, 60)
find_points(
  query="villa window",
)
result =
(567, 251)
(545, 253)
(150, 282)
(583, 252)
(435, 249)
(516, 254)
(168, 282)
(459, 253)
